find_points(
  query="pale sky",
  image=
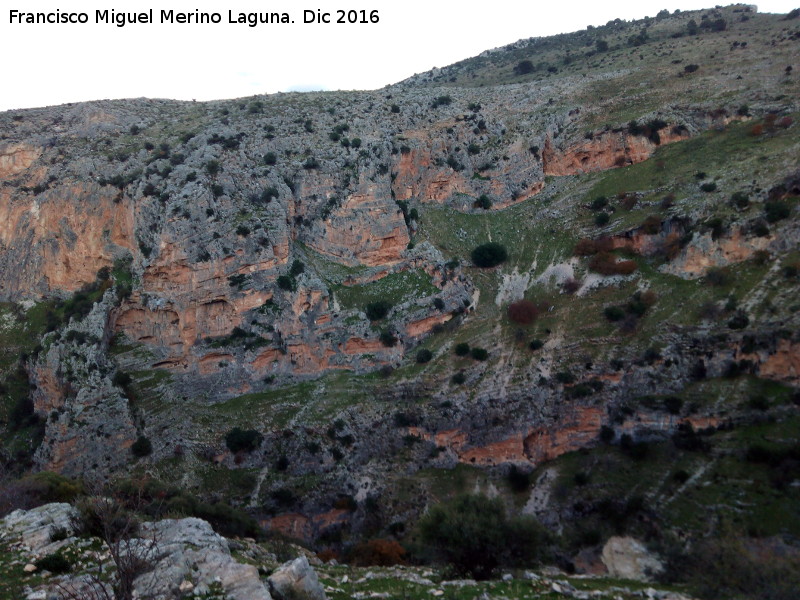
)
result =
(57, 63)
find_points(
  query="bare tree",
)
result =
(132, 552)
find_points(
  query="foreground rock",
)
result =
(296, 580)
(191, 556)
(186, 555)
(627, 558)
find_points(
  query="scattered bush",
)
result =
(55, 563)
(483, 202)
(474, 535)
(458, 378)
(243, 440)
(523, 312)
(461, 349)
(606, 263)
(378, 553)
(708, 186)
(775, 211)
(489, 255)
(387, 338)
(479, 354)
(286, 283)
(524, 67)
(518, 479)
(717, 276)
(377, 310)
(424, 356)
(213, 167)
(536, 344)
(142, 447)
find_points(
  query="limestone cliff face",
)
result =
(368, 229)
(89, 426)
(605, 150)
(59, 239)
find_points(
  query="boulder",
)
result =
(33, 528)
(627, 558)
(188, 555)
(296, 580)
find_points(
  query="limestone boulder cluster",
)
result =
(185, 558)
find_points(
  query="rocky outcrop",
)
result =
(366, 229)
(57, 241)
(17, 158)
(89, 425)
(704, 252)
(605, 150)
(191, 557)
(184, 556)
(627, 558)
(296, 580)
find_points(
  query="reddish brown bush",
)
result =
(328, 555)
(378, 553)
(648, 298)
(585, 247)
(606, 263)
(785, 122)
(571, 285)
(756, 130)
(588, 247)
(629, 201)
(523, 312)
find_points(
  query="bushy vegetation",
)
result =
(489, 255)
(377, 310)
(475, 536)
(243, 440)
(523, 312)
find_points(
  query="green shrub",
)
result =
(565, 377)
(241, 440)
(708, 186)
(614, 313)
(489, 255)
(213, 167)
(56, 563)
(141, 447)
(474, 535)
(387, 338)
(518, 479)
(270, 158)
(424, 356)
(377, 310)
(524, 67)
(297, 268)
(536, 344)
(458, 378)
(286, 282)
(776, 211)
(602, 219)
(479, 354)
(484, 202)
(442, 101)
(461, 349)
